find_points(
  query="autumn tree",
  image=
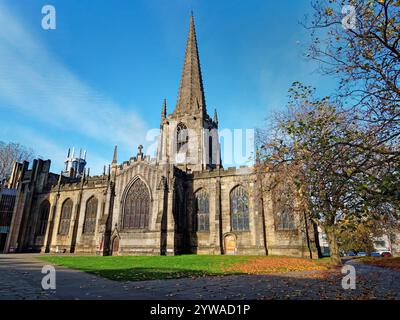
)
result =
(357, 237)
(361, 236)
(357, 42)
(10, 152)
(316, 143)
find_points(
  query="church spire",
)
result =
(191, 93)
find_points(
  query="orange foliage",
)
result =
(275, 264)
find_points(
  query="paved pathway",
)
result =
(20, 278)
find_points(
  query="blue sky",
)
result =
(99, 79)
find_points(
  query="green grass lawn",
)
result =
(136, 268)
(148, 267)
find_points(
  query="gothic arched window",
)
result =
(90, 216)
(44, 210)
(284, 221)
(284, 208)
(182, 138)
(137, 206)
(239, 209)
(202, 212)
(65, 219)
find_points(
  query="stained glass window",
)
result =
(284, 221)
(202, 212)
(239, 209)
(43, 218)
(182, 137)
(65, 220)
(284, 208)
(137, 206)
(90, 216)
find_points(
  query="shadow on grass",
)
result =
(142, 274)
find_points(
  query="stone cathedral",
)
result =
(183, 201)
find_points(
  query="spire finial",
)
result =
(115, 155)
(216, 116)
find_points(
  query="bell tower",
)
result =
(189, 136)
(74, 165)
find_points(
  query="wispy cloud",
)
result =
(34, 83)
(47, 148)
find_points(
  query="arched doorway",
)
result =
(115, 246)
(230, 244)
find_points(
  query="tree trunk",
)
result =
(333, 246)
(316, 236)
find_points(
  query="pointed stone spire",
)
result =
(115, 155)
(164, 110)
(216, 117)
(191, 93)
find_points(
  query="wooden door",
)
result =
(115, 246)
(230, 244)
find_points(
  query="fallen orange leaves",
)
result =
(393, 263)
(275, 265)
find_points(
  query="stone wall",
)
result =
(172, 212)
(135, 242)
(79, 193)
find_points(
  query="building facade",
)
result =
(183, 201)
